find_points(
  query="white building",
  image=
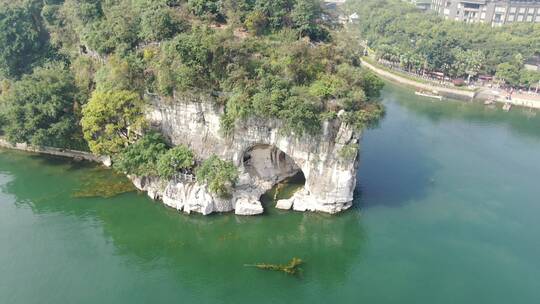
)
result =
(494, 12)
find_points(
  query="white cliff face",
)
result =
(264, 154)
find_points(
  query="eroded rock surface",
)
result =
(264, 154)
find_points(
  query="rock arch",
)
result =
(330, 179)
(262, 166)
(268, 163)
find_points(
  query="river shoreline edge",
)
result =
(452, 93)
(68, 153)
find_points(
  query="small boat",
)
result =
(433, 94)
(507, 106)
(489, 102)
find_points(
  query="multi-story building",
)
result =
(421, 4)
(494, 12)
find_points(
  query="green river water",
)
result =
(447, 211)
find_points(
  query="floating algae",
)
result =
(228, 237)
(292, 268)
(104, 184)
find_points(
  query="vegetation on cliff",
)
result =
(141, 158)
(177, 159)
(151, 156)
(219, 175)
(401, 33)
(111, 119)
(24, 42)
(272, 59)
(76, 73)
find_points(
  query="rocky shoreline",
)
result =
(263, 154)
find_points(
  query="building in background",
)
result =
(494, 12)
(421, 4)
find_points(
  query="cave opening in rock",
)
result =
(275, 171)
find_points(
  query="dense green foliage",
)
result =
(514, 73)
(417, 40)
(175, 160)
(151, 156)
(23, 40)
(263, 17)
(248, 54)
(276, 76)
(41, 109)
(250, 73)
(269, 60)
(296, 83)
(141, 158)
(111, 120)
(219, 175)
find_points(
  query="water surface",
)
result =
(446, 212)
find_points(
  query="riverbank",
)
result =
(75, 154)
(481, 94)
(443, 91)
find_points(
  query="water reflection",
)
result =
(398, 165)
(207, 248)
(521, 120)
(395, 167)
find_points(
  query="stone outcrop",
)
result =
(264, 154)
(183, 196)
